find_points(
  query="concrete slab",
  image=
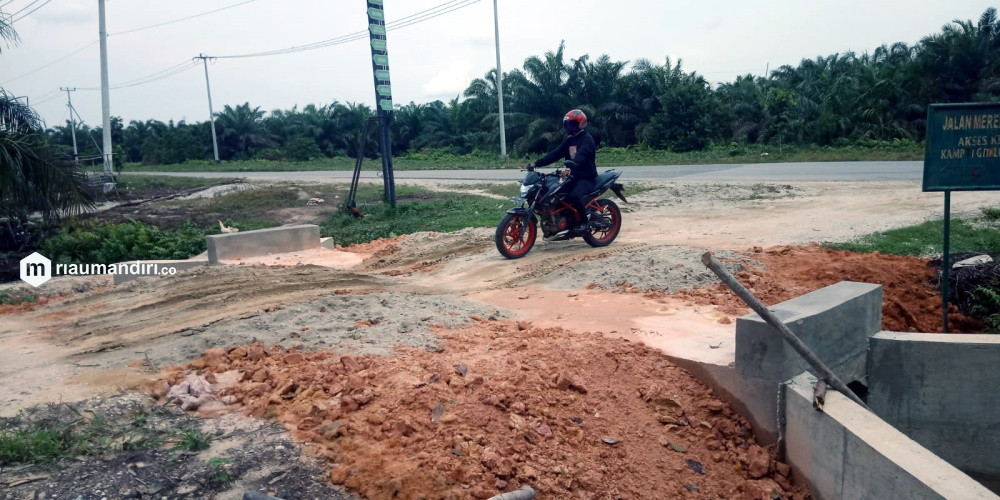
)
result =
(262, 242)
(846, 451)
(942, 390)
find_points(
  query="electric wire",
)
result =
(91, 44)
(32, 11)
(77, 51)
(403, 22)
(152, 77)
(181, 19)
(25, 7)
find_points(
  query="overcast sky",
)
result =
(435, 59)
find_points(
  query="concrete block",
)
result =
(835, 322)
(262, 242)
(327, 243)
(846, 451)
(942, 390)
(138, 269)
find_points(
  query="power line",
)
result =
(32, 11)
(403, 22)
(181, 19)
(91, 44)
(26, 7)
(152, 77)
(77, 51)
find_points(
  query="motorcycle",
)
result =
(543, 203)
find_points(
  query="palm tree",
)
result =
(242, 129)
(34, 177)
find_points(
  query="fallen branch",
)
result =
(178, 194)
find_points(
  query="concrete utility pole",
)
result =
(503, 131)
(211, 113)
(72, 121)
(105, 92)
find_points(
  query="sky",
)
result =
(429, 60)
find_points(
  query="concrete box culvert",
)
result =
(855, 454)
(942, 390)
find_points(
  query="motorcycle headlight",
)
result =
(524, 190)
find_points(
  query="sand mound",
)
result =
(502, 405)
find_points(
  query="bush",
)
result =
(302, 149)
(107, 243)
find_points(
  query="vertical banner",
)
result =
(383, 93)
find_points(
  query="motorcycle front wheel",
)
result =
(515, 235)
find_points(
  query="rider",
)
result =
(579, 147)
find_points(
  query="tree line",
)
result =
(834, 100)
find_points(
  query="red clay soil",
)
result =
(911, 303)
(502, 405)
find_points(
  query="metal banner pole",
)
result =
(946, 261)
(383, 93)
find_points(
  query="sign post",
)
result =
(383, 94)
(963, 154)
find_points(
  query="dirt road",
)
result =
(74, 348)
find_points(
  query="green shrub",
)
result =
(302, 149)
(107, 243)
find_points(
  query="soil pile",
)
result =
(501, 405)
(911, 302)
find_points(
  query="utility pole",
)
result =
(503, 131)
(211, 113)
(105, 93)
(72, 121)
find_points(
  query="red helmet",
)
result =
(575, 115)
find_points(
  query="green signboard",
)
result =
(963, 147)
(380, 57)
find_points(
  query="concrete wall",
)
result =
(846, 452)
(942, 390)
(834, 322)
(262, 242)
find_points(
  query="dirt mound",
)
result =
(502, 405)
(666, 268)
(911, 303)
(428, 250)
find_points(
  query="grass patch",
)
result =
(255, 200)
(416, 210)
(927, 239)
(9, 299)
(606, 157)
(141, 183)
(37, 445)
(194, 440)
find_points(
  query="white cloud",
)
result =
(450, 81)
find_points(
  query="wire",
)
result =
(32, 11)
(403, 22)
(151, 26)
(26, 7)
(91, 44)
(152, 77)
(77, 51)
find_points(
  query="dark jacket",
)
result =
(581, 149)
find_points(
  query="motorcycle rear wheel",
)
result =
(597, 237)
(511, 240)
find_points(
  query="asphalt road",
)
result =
(753, 172)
